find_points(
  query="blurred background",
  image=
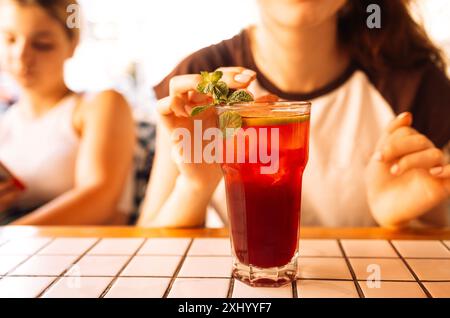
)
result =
(133, 44)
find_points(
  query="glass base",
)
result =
(265, 277)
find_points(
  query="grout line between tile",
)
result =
(327, 279)
(352, 272)
(383, 280)
(96, 255)
(445, 245)
(294, 289)
(427, 293)
(209, 256)
(175, 274)
(192, 277)
(231, 288)
(112, 276)
(410, 281)
(429, 258)
(217, 256)
(319, 256)
(436, 281)
(58, 278)
(357, 257)
(115, 277)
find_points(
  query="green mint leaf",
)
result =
(205, 87)
(202, 88)
(220, 93)
(212, 85)
(200, 109)
(215, 76)
(240, 96)
(229, 123)
(209, 80)
(205, 75)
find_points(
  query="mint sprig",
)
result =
(211, 84)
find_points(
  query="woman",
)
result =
(379, 119)
(72, 152)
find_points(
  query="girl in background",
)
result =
(73, 152)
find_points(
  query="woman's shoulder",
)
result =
(107, 104)
(230, 52)
(110, 100)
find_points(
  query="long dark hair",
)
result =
(401, 42)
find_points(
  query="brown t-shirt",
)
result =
(424, 91)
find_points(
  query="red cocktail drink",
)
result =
(264, 190)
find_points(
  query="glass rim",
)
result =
(279, 105)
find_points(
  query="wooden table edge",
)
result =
(10, 232)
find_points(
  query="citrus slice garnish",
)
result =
(274, 121)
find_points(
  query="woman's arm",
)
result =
(103, 164)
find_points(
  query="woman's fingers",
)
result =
(181, 105)
(237, 77)
(403, 132)
(198, 99)
(183, 83)
(441, 172)
(238, 70)
(164, 106)
(426, 159)
(402, 120)
(399, 127)
(232, 69)
(405, 145)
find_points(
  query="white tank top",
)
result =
(42, 153)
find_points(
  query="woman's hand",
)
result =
(175, 113)
(9, 194)
(175, 182)
(407, 177)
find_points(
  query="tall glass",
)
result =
(263, 166)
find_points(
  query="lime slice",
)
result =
(273, 121)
